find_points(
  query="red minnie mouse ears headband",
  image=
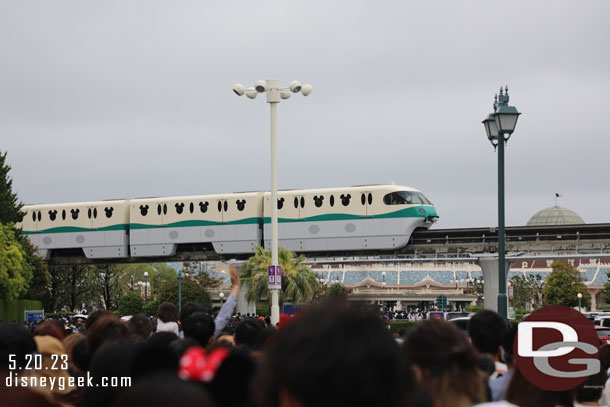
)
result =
(196, 365)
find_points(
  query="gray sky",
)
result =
(124, 99)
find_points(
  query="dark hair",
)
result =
(164, 390)
(263, 336)
(179, 346)
(15, 340)
(50, 327)
(107, 328)
(80, 355)
(199, 326)
(523, 393)
(348, 358)
(447, 361)
(161, 340)
(508, 343)
(247, 331)
(94, 317)
(592, 388)
(190, 308)
(140, 326)
(487, 329)
(168, 312)
(604, 357)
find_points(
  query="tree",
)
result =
(73, 285)
(299, 283)
(478, 289)
(198, 271)
(527, 291)
(337, 291)
(150, 307)
(131, 304)
(192, 291)
(10, 207)
(108, 285)
(563, 285)
(15, 272)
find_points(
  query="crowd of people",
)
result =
(327, 355)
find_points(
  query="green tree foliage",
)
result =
(131, 304)
(338, 291)
(563, 285)
(478, 289)
(527, 291)
(150, 307)
(299, 283)
(15, 272)
(192, 291)
(108, 285)
(10, 207)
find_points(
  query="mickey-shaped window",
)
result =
(203, 206)
(345, 198)
(144, 210)
(52, 215)
(179, 208)
(318, 200)
(241, 204)
(108, 210)
(74, 213)
(280, 203)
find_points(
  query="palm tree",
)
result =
(299, 283)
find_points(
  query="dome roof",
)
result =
(555, 216)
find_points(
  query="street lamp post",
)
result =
(179, 291)
(145, 286)
(579, 299)
(274, 94)
(499, 126)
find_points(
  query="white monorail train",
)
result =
(371, 217)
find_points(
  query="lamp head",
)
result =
(306, 90)
(285, 94)
(251, 93)
(239, 89)
(295, 86)
(260, 86)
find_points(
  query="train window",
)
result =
(241, 204)
(203, 206)
(318, 200)
(345, 199)
(179, 208)
(219, 206)
(192, 207)
(109, 210)
(165, 209)
(370, 198)
(302, 202)
(89, 213)
(39, 216)
(52, 215)
(280, 203)
(226, 206)
(159, 209)
(34, 216)
(74, 213)
(332, 200)
(63, 214)
(94, 213)
(296, 202)
(363, 198)
(406, 198)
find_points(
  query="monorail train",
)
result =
(370, 217)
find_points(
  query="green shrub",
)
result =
(397, 325)
(130, 304)
(150, 308)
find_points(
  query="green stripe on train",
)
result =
(75, 229)
(412, 212)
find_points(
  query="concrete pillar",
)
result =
(593, 301)
(243, 306)
(491, 288)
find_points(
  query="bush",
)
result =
(150, 308)
(397, 325)
(474, 308)
(131, 304)
(192, 291)
(263, 310)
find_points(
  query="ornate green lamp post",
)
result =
(499, 126)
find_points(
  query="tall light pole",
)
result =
(145, 286)
(579, 295)
(274, 93)
(499, 126)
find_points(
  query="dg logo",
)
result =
(557, 348)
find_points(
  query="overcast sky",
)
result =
(125, 99)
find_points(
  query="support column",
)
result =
(491, 288)
(593, 300)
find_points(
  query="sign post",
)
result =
(33, 315)
(274, 274)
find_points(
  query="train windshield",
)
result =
(406, 198)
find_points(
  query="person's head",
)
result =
(107, 328)
(168, 312)
(444, 363)
(349, 358)
(508, 344)
(15, 340)
(604, 357)
(523, 393)
(94, 317)
(51, 327)
(161, 340)
(199, 326)
(69, 343)
(80, 355)
(190, 308)
(247, 331)
(487, 329)
(591, 389)
(139, 326)
(263, 338)
(164, 389)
